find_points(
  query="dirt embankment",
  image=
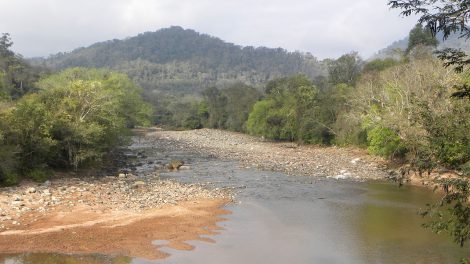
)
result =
(340, 163)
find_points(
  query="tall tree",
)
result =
(16, 76)
(420, 36)
(345, 69)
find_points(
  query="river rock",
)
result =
(175, 164)
(356, 160)
(138, 184)
(17, 203)
(31, 190)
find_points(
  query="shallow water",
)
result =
(287, 219)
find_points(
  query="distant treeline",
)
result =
(181, 62)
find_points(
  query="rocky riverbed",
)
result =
(72, 210)
(24, 205)
(290, 158)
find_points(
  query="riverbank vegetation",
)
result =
(65, 120)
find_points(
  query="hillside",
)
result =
(452, 42)
(183, 61)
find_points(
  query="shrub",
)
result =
(385, 142)
(9, 178)
(38, 175)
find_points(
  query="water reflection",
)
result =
(38, 258)
(388, 228)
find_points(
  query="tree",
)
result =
(291, 111)
(16, 76)
(448, 17)
(91, 110)
(240, 101)
(421, 37)
(77, 117)
(216, 102)
(379, 65)
(345, 69)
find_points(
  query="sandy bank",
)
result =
(118, 232)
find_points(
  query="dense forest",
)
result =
(182, 61)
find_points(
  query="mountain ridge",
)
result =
(178, 60)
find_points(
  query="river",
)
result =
(288, 219)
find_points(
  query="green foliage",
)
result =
(38, 175)
(181, 62)
(384, 142)
(216, 102)
(92, 110)
(420, 36)
(77, 116)
(257, 121)
(446, 17)
(30, 124)
(380, 64)
(240, 101)
(345, 69)
(9, 178)
(291, 111)
(228, 108)
(452, 213)
(16, 76)
(448, 137)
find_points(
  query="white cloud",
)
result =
(326, 28)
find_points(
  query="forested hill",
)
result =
(184, 61)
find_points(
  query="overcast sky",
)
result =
(326, 28)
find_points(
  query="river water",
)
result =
(287, 219)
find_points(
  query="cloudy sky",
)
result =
(326, 28)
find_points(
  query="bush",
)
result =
(9, 178)
(385, 142)
(38, 175)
